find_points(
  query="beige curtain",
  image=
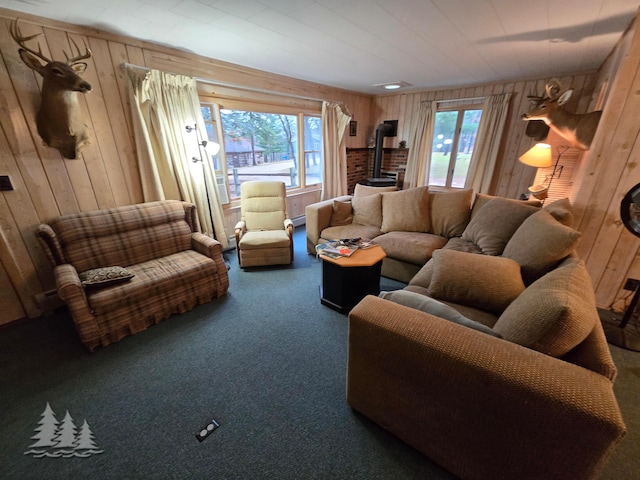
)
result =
(335, 118)
(485, 151)
(419, 158)
(162, 106)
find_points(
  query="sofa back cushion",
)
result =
(406, 211)
(540, 244)
(363, 190)
(554, 314)
(492, 226)
(123, 235)
(562, 211)
(450, 212)
(481, 199)
(367, 210)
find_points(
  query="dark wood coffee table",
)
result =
(347, 280)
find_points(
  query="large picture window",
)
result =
(267, 145)
(453, 142)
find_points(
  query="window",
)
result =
(312, 150)
(267, 145)
(453, 141)
(212, 136)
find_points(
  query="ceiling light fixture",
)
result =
(393, 85)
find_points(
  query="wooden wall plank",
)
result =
(10, 304)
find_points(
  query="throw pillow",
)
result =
(424, 275)
(495, 223)
(364, 190)
(367, 210)
(562, 211)
(481, 200)
(434, 307)
(539, 244)
(406, 211)
(450, 212)
(342, 214)
(553, 315)
(480, 281)
(104, 276)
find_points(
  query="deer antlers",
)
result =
(16, 34)
(553, 90)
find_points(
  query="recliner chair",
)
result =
(264, 234)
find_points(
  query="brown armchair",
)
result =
(264, 234)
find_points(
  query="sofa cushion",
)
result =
(341, 214)
(481, 199)
(434, 307)
(562, 211)
(411, 247)
(364, 190)
(539, 244)
(450, 212)
(160, 277)
(123, 235)
(553, 315)
(495, 223)
(480, 281)
(462, 245)
(406, 211)
(424, 275)
(352, 230)
(367, 210)
(104, 276)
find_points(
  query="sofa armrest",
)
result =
(49, 242)
(72, 292)
(478, 405)
(205, 245)
(212, 248)
(317, 218)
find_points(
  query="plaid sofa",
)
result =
(174, 266)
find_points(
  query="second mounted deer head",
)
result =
(578, 129)
(59, 118)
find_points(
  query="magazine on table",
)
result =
(344, 247)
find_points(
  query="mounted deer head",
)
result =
(59, 119)
(578, 129)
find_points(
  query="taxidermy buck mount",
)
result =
(59, 119)
(578, 129)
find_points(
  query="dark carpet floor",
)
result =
(267, 362)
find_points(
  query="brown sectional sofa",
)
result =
(492, 360)
(123, 269)
(408, 224)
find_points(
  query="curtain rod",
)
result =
(237, 86)
(469, 99)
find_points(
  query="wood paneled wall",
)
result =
(46, 185)
(610, 169)
(511, 177)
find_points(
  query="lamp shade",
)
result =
(213, 148)
(538, 156)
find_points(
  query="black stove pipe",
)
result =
(381, 131)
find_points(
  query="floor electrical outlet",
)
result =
(205, 431)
